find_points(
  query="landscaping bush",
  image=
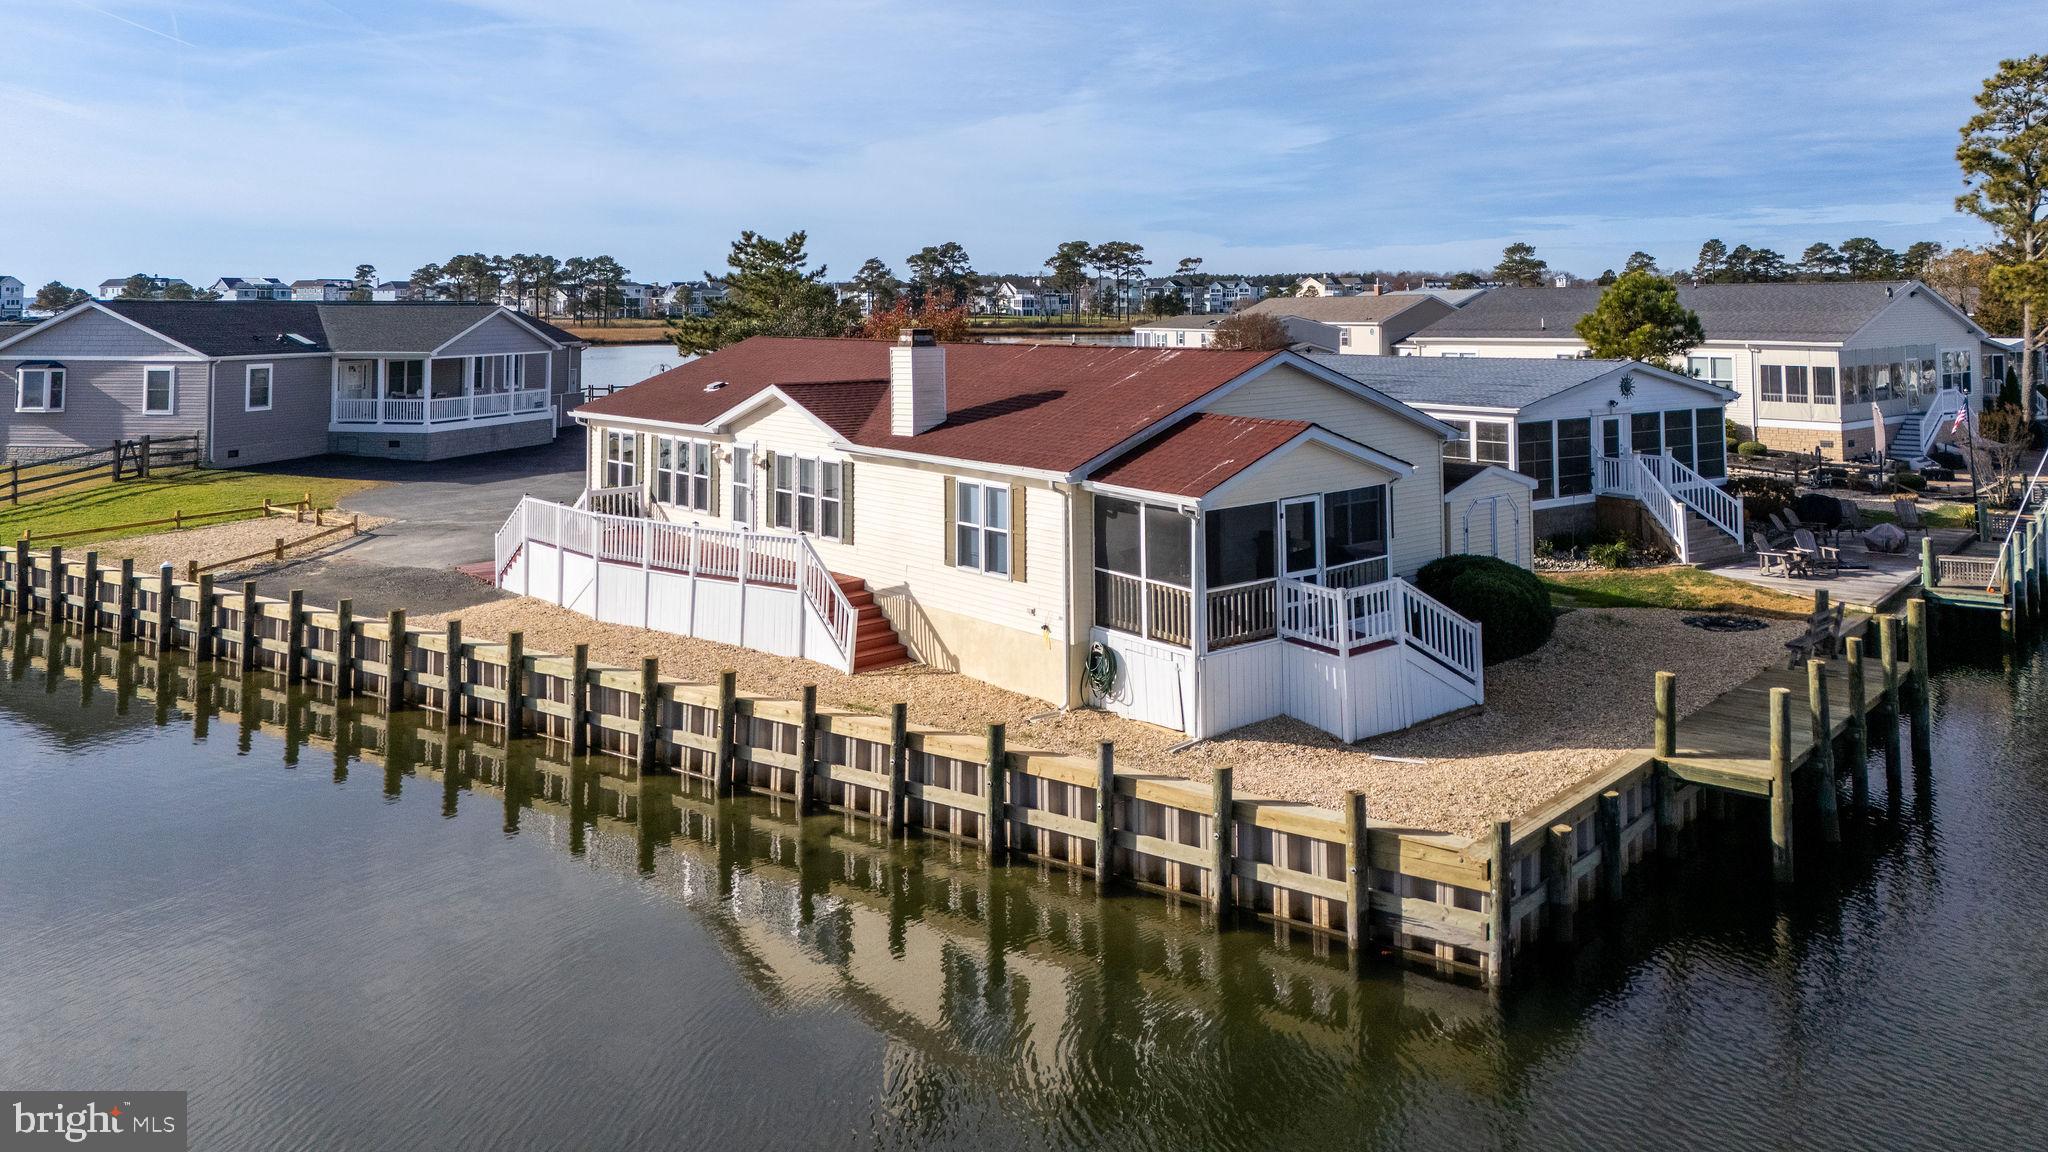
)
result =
(1761, 496)
(1610, 555)
(1511, 606)
(1910, 481)
(1751, 448)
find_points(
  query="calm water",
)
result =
(608, 366)
(464, 946)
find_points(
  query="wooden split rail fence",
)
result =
(123, 460)
(1337, 875)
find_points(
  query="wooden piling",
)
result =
(1607, 822)
(1820, 713)
(24, 578)
(55, 611)
(1559, 854)
(1922, 694)
(1222, 818)
(245, 641)
(1888, 658)
(1662, 784)
(1105, 814)
(580, 708)
(1500, 897)
(1357, 871)
(515, 684)
(1781, 784)
(899, 765)
(1926, 561)
(92, 590)
(1858, 732)
(202, 619)
(728, 727)
(166, 609)
(395, 660)
(294, 635)
(807, 750)
(344, 648)
(1667, 714)
(650, 710)
(454, 699)
(995, 785)
(124, 601)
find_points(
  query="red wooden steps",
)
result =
(875, 643)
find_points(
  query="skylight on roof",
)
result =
(294, 336)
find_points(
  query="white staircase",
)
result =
(1914, 439)
(1700, 519)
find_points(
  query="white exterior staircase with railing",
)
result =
(1699, 517)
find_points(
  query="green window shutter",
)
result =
(846, 502)
(1017, 574)
(711, 481)
(947, 520)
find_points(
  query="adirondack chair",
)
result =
(1822, 637)
(1826, 556)
(1780, 528)
(1908, 516)
(1852, 517)
(1769, 562)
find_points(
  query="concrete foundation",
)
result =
(443, 443)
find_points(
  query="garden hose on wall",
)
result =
(1100, 671)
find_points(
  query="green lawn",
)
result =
(1686, 588)
(102, 504)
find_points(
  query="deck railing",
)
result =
(1148, 608)
(1345, 620)
(681, 549)
(355, 409)
(1664, 507)
(438, 409)
(1983, 572)
(1241, 613)
(1357, 573)
(1700, 494)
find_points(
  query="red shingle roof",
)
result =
(1043, 406)
(1199, 453)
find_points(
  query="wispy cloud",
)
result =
(209, 136)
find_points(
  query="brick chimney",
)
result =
(1377, 287)
(917, 383)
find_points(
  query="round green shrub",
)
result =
(1751, 448)
(1511, 606)
(1910, 481)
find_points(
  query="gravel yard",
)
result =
(222, 541)
(1551, 717)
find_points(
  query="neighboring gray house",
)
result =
(325, 290)
(13, 301)
(276, 380)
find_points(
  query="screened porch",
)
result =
(1211, 579)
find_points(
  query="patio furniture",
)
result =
(1908, 515)
(1827, 556)
(1779, 527)
(1768, 561)
(1852, 518)
(1820, 640)
(1888, 539)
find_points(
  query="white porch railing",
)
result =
(1347, 619)
(611, 501)
(355, 409)
(1370, 570)
(404, 411)
(1240, 614)
(1710, 500)
(1664, 507)
(744, 558)
(438, 409)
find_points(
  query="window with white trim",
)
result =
(743, 486)
(621, 452)
(1795, 383)
(682, 472)
(1716, 370)
(39, 390)
(1490, 441)
(1771, 382)
(1824, 386)
(809, 496)
(159, 391)
(981, 527)
(256, 388)
(490, 375)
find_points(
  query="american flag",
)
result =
(1962, 415)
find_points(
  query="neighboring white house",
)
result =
(1195, 539)
(13, 300)
(1028, 297)
(247, 288)
(1812, 364)
(392, 290)
(1332, 285)
(1368, 325)
(1176, 332)
(1576, 429)
(111, 289)
(327, 290)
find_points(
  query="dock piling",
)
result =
(395, 660)
(728, 728)
(1358, 889)
(515, 684)
(1558, 857)
(1221, 817)
(1921, 693)
(807, 750)
(1822, 717)
(899, 764)
(1500, 897)
(344, 648)
(1859, 724)
(1608, 824)
(995, 780)
(1781, 784)
(1888, 658)
(650, 708)
(1105, 813)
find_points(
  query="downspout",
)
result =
(1756, 387)
(212, 371)
(1067, 599)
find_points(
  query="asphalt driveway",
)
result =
(443, 513)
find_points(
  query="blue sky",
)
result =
(299, 137)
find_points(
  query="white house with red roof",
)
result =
(1197, 539)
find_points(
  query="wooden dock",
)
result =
(2004, 569)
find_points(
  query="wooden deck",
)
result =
(1873, 581)
(1727, 744)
